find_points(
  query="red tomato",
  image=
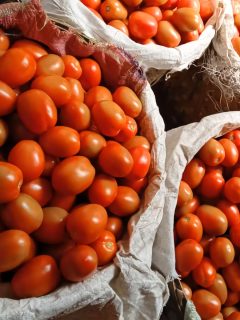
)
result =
(232, 299)
(115, 225)
(231, 153)
(91, 144)
(28, 156)
(17, 67)
(50, 163)
(17, 130)
(32, 47)
(94, 4)
(235, 234)
(219, 288)
(167, 14)
(3, 132)
(91, 73)
(189, 36)
(170, 4)
(108, 117)
(16, 247)
(207, 304)
(189, 4)
(76, 115)
(11, 179)
(86, 222)
(72, 66)
(128, 131)
(52, 229)
(36, 278)
(186, 290)
(154, 11)
(131, 4)
(73, 175)
(213, 220)
(189, 254)
(97, 94)
(103, 190)
(205, 243)
(230, 210)
(50, 64)
(7, 99)
(62, 201)
(23, 213)
(185, 19)
(137, 185)
(154, 2)
(184, 194)
(232, 190)
(204, 274)
(189, 226)
(78, 263)
(194, 173)
(115, 160)
(36, 110)
(212, 185)
(167, 35)
(141, 163)
(207, 8)
(142, 25)
(4, 41)
(212, 153)
(113, 10)
(126, 202)
(234, 316)
(57, 251)
(236, 172)
(221, 252)
(76, 90)
(105, 247)
(137, 141)
(127, 99)
(39, 189)
(233, 136)
(231, 275)
(189, 207)
(119, 25)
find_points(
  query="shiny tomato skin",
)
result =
(4, 132)
(219, 288)
(127, 99)
(167, 35)
(154, 11)
(128, 131)
(72, 67)
(231, 153)
(207, 8)
(211, 185)
(39, 189)
(50, 64)
(17, 67)
(205, 243)
(36, 278)
(85, 223)
(235, 234)
(230, 210)
(137, 141)
(233, 136)
(91, 144)
(189, 4)
(154, 2)
(232, 190)
(185, 194)
(212, 153)
(93, 4)
(186, 290)
(221, 252)
(204, 274)
(73, 175)
(170, 4)
(189, 226)
(23, 213)
(189, 207)
(76, 89)
(189, 254)
(103, 190)
(231, 275)
(36, 110)
(207, 304)
(50, 163)
(119, 25)
(7, 99)
(4, 41)
(91, 73)
(60, 141)
(78, 263)
(234, 316)
(185, 19)
(97, 94)
(65, 202)
(194, 173)
(16, 247)
(115, 225)
(141, 163)
(105, 247)
(29, 157)
(32, 47)
(75, 115)
(11, 179)
(137, 185)
(112, 10)
(142, 25)
(189, 36)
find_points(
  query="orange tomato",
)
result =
(11, 179)
(154, 11)
(212, 153)
(31, 47)
(128, 131)
(142, 25)
(3, 132)
(185, 19)
(189, 207)
(234, 316)
(232, 190)
(113, 10)
(137, 141)
(204, 274)
(231, 275)
(50, 64)
(207, 304)
(232, 299)
(194, 173)
(221, 252)
(4, 41)
(119, 25)
(236, 44)
(184, 194)
(62, 201)
(231, 153)
(94, 4)
(115, 225)
(167, 35)
(186, 290)
(189, 4)
(76, 89)
(207, 8)
(91, 73)
(39, 189)
(212, 185)
(7, 99)
(97, 94)
(127, 99)
(189, 226)
(72, 66)
(235, 234)
(219, 288)
(91, 144)
(230, 210)
(189, 36)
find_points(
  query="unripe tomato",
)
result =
(115, 225)
(184, 194)
(142, 25)
(39, 189)
(91, 144)
(31, 47)
(72, 67)
(167, 35)
(91, 73)
(11, 179)
(194, 173)
(231, 275)
(204, 274)
(232, 190)
(212, 153)
(185, 19)
(50, 64)
(113, 10)
(231, 153)
(7, 99)
(212, 185)
(207, 304)
(97, 94)
(189, 226)
(219, 288)
(127, 99)
(221, 252)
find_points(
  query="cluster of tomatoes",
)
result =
(71, 167)
(236, 14)
(207, 229)
(164, 22)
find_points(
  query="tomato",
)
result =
(185, 19)
(50, 163)
(128, 131)
(115, 160)
(194, 173)
(189, 255)
(16, 247)
(205, 243)
(96, 13)
(73, 175)
(231, 153)
(76, 115)
(236, 44)
(232, 190)
(7, 99)
(23, 213)
(113, 10)
(28, 156)
(232, 299)
(94, 4)
(36, 110)
(4, 41)
(17, 130)
(213, 220)
(166, 15)
(103, 190)
(32, 47)
(204, 274)
(142, 25)
(167, 35)
(189, 227)
(115, 225)
(85, 223)
(60, 141)
(189, 36)
(212, 153)
(52, 229)
(58, 88)
(11, 179)
(186, 290)
(91, 144)
(147, 41)
(105, 247)
(221, 252)
(137, 141)
(126, 202)
(207, 304)
(233, 136)
(36, 278)
(189, 4)
(57, 251)
(108, 117)
(169, 4)
(39, 189)
(17, 67)
(236, 172)
(96, 94)
(72, 67)
(62, 201)
(76, 89)
(212, 185)
(227, 311)
(189, 207)
(234, 316)
(156, 3)
(50, 64)
(137, 185)
(201, 26)
(127, 99)
(91, 73)
(141, 163)
(78, 263)
(235, 234)
(230, 210)
(3, 132)
(119, 25)
(231, 275)
(184, 194)
(131, 4)
(154, 11)
(219, 288)
(207, 8)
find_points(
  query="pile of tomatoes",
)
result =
(207, 229)
(72, 167)
(168, 23)
(236, 14)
